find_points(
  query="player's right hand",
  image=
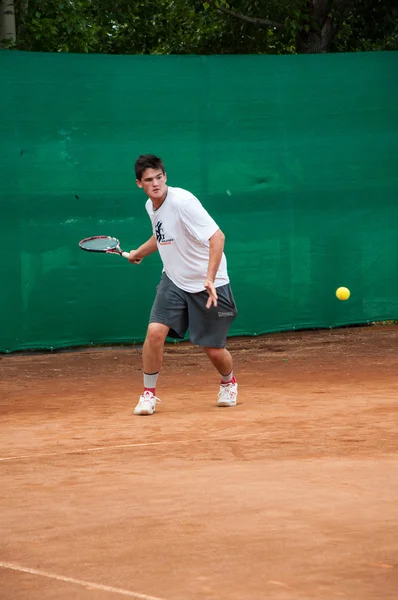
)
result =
(133, 257)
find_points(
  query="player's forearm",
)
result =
(148, 248)
(217, 241)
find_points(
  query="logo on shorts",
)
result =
(160, 235)
(225, 314)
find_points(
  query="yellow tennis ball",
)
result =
(343, 293)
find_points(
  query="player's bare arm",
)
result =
(136, 256)
(217, 241)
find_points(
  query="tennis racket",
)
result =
(104, 243)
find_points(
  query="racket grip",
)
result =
(125, 254)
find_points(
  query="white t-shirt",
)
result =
(182, 228)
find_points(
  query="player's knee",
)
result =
(213, 353)
(156, 333)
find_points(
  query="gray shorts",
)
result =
(182, 311)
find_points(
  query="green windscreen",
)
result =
(295, 157)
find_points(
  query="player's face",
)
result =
(153, 182)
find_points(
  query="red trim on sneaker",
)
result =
(150, 390)
(233, 380)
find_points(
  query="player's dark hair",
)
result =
(147, 161)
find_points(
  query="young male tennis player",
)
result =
(194, 293)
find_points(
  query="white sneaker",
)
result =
(228, 394)
(146, 404)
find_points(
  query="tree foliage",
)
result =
(210, 27)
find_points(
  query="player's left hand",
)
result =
(211, 290)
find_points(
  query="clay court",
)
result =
(292, 494)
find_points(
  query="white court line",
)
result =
(141, 444)
(86, 584)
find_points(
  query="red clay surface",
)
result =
(293, 494)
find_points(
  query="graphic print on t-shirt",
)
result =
(160, 235)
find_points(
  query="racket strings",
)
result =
(100, 244)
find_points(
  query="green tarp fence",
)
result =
(296, 158)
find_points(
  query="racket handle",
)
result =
(125, 254)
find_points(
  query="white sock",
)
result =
(227, 378)
(150, 380)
